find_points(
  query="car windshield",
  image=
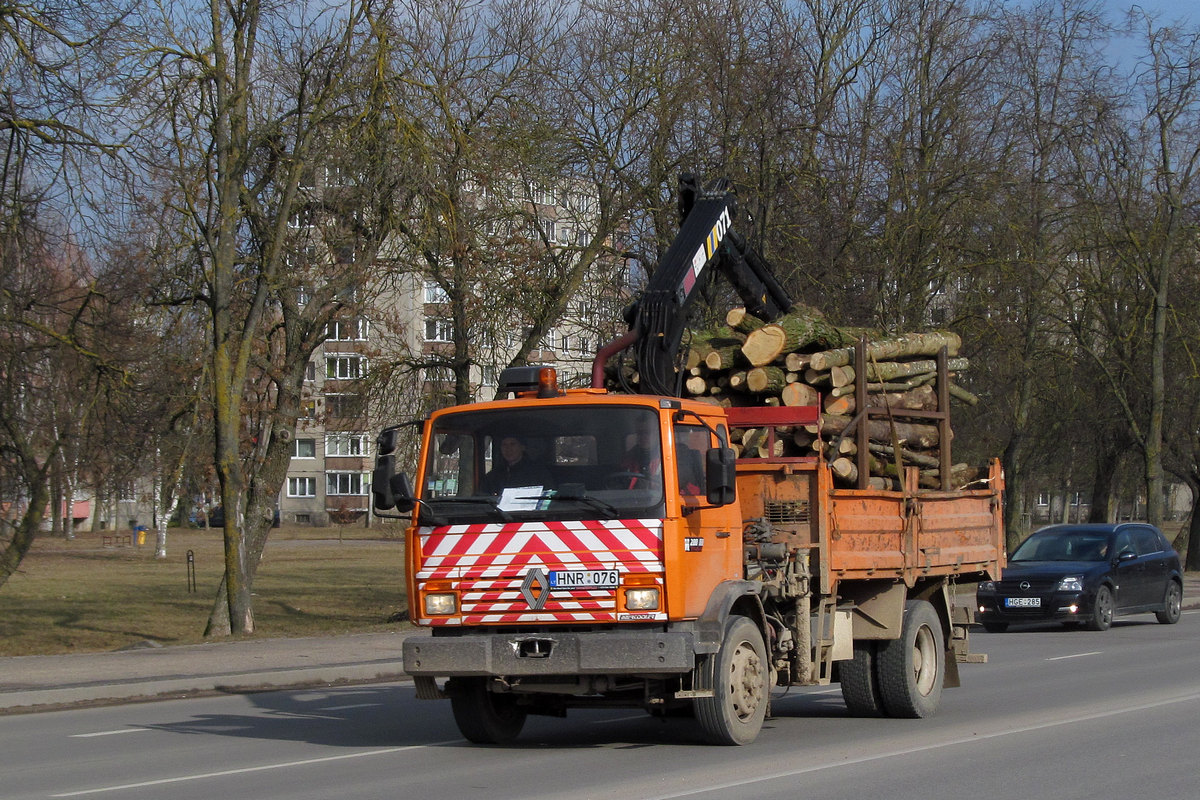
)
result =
(566, 462)
(1068, 545)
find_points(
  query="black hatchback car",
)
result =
(1085, 574)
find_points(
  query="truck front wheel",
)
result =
(738, 675)
(484, 717)
(912, 669)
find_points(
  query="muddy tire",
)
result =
(860, 686)
(739, 675)
(912, 669)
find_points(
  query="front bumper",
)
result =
(1054, 607)
(651, 652)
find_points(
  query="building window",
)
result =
(302, 218)
(302, 487)
(439, 330)
(343, 406)
(304, 448)
(308, 409)
(435, 293)
(345, 367)
(354, 330)
(345, 483)
(346, 444)
(439, 375)
(310, 371)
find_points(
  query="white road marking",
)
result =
(1077, 655)
(973, 737)
(117, 732)
(261, 768)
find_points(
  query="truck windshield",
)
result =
(547, 463)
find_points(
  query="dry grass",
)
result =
(79, 596)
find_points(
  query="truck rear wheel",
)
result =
(484, 717)
(860, 686)
(739, 677)
(912, 669)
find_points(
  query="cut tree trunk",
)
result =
(905, 345)
(800, 327)
(764, 380)
(742, 320)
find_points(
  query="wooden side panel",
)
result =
(915, 534)
(857, 534)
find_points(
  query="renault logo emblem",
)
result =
(1024, 586)
(536, 588)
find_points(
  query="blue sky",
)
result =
(1171, 11)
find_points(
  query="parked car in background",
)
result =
(1085, 574)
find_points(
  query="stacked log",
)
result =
(804, 360)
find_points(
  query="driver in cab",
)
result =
(514, 468)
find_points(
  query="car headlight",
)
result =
(641, 599)
(987, 586)
(441, 604)
(1071, 583)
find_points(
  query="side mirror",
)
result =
(402, 492)
(386, 441)
(720, 476)
(381, 481)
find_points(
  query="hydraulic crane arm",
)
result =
(706, 243)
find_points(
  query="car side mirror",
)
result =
(1126, 555)
(720, 476)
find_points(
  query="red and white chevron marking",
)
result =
(488, 564)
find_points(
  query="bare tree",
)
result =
(1137, 183)
(257, 102)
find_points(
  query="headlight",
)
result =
(1071, 583)
(441, 604)
(987, 586)
(641, 599)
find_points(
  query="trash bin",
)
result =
(140, 532)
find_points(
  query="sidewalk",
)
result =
(29, 683)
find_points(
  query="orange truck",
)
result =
(592, 548)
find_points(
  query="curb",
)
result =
(52, 698)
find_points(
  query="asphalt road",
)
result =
(1055, 713)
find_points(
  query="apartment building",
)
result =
(328, 481)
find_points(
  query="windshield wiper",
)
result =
(490, 502)
(586, 499)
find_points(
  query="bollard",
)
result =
(191, 571)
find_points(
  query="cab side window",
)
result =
(691, 441)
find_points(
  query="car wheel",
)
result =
(1102, 610)
(1172, 604)
(995, 627)
(860, 686)
(912, 669)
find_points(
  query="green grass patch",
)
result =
(82, 596)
